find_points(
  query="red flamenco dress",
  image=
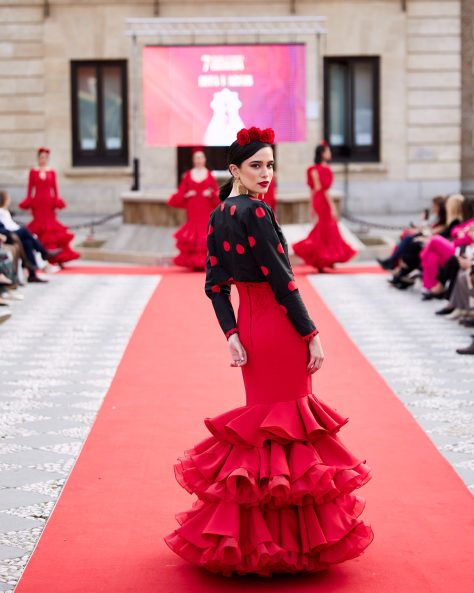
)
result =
(191, 237)
(324, 246)
(274, 483)
(43, 200)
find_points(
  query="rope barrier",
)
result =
(93, 223)
(375, 225)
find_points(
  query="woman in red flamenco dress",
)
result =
(274, 483)
(198, 194)
(324, 246)
(43, 200)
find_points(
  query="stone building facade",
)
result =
(423, 48)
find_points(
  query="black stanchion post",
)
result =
(136, 175)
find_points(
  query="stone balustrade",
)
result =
(151, 208)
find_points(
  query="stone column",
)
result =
(467, 86)
(22, 92)
(434, 94)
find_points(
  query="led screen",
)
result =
(205, 94)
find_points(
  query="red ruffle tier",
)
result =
(191, 241)
(275, 488)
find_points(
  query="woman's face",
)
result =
(256, 172)
(435, 208)
(199, 159)
(327, 156)
(43, 158)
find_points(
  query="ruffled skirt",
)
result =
(274, 483)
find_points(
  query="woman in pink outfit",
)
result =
(439, 248)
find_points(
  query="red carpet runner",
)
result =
(105, 534)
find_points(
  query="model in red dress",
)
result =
(324, 246)
(198, 194)
(274, 482)
(43, 200)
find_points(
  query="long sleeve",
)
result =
(215, 192)
(217, 288)
(269, 250)
(177, 200)
(26, 203)
(58, 202)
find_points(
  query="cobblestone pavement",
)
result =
(58, 354)
(414, 350)
(60, 349)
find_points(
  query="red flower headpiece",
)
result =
(197, 149)
(324, 143)
(255, 134)
(43, 149)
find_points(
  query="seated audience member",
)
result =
(6, 270)
(459, 247)
(438, 224)
(30, 244)
(434, 255)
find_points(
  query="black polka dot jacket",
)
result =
(246, 244)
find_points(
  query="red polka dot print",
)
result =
(264, 270)
(233, 209)
(213, 260)
(210, 230)
(280, 248)
(240, 248)
(260, 212)
(222, 206)
(251, 241)
(216, 288)
(284, 309)
(292, 285)
(226, 245)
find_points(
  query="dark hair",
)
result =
(318, 153)
(236, 155)
(3, 198)
(440, 201)
(468, 208)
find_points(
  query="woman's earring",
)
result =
(241, 188)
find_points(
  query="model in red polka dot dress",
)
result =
(274, 482)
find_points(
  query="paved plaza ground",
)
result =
(60, 349)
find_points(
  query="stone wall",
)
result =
(420, 60)
(22, 88)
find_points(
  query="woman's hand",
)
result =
(237, 351)
(316, 355)
(190, 193)
(207, 193)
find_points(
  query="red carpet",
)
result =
(163, 270)
(105, 534)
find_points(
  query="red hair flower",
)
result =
(255, 134)
(268, 136)
(243, 137)
(324, 142)
(43, 149)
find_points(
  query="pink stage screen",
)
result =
(206, 94)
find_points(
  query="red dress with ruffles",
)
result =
(43, 200)
(191, 237)
(324, 246)
(274, 483)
